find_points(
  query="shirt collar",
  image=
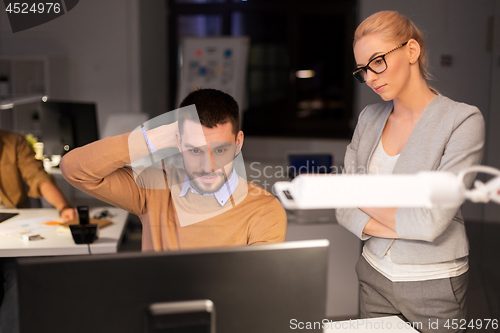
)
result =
(222, 195)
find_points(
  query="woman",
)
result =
(414, 262)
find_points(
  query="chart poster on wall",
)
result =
(214, 62)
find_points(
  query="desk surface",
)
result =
(57, 242)
(372, 325)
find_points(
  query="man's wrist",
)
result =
(65, 207)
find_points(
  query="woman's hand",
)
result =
(385, 216)
(377, 229)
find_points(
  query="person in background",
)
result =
(415, 260)
(18, 166)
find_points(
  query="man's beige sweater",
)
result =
(99, 169)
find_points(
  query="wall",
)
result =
(154, 57)
(93, 54)
(492, 158)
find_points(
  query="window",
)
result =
(300, 59)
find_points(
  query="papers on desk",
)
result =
(18, 228)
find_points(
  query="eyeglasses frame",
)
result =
(367, 67)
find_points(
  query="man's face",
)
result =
(208, 154)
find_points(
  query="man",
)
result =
(205, 203)
(18, 165)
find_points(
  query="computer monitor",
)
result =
(67, 124)
(263, 288)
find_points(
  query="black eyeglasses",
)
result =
(377, 65)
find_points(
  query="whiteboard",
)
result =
(214, 62)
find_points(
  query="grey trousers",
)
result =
(428, 305)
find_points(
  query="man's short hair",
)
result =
(214, 107)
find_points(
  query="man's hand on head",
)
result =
(164, 136)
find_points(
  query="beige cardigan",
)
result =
(449, 136)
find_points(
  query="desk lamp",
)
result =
(424, 189)
(7, 104)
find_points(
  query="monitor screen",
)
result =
(64, 123)
(309, 163)
(264, 288)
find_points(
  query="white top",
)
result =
(382, 163)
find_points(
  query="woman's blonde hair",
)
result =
(395, 27)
